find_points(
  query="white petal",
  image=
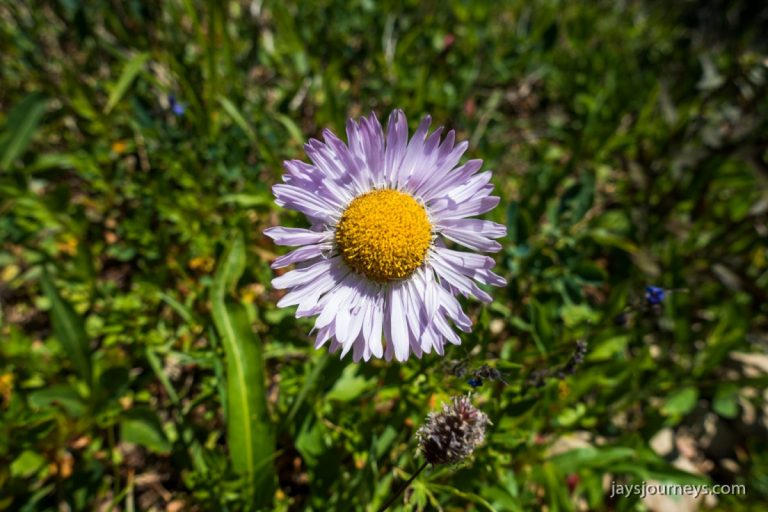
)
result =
(296, 236)
(332, 301)
(373, 335)
(304, 253)
(423, 166)
(464, 284)
(396, 143)
(414, 309)
(444, 208)
(295, 198)
(442, 326)
(323, 335)
(471, 240)
(398, 323)
(441, 181)
(302, 276)
(480, 227)
(451, 307)
(413, 154)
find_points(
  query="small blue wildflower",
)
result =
(654, 295)
(177, 107)
(475, 382)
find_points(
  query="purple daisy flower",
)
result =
(374, 267)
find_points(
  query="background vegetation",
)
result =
(144, 366)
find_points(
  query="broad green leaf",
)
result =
(59, 395)
(608, 348)
(726, 401)
(69, 329)
(383, 441)
(310, 439)
(249, 430)
(350, 385)
(19, 128)
(576, 314)
(130, 70)
(27, 464)
(142, 426)
(680, 402)
(571, 415)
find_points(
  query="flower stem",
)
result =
(402, 488)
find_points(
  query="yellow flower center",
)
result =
(384, 234)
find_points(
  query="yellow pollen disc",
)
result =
(384, 234)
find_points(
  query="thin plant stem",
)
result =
(402, 488)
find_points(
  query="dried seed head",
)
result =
(451, 435)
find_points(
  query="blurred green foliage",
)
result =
(138, 144)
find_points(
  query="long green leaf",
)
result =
(131, 69)
(249, 430)
(461, 494)
(20, 127)
(229, 269)
(542, 330)
(69, 329)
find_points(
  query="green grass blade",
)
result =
(237, 117)
(230, 268)
(20, 127)
(309, 383)
(131, 69)
(69, 329)
(249, 430)
(183, 311)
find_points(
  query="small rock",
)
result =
(731, 466)
(686, 445)
(175, 506)
(755, 365)
(663, 443)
